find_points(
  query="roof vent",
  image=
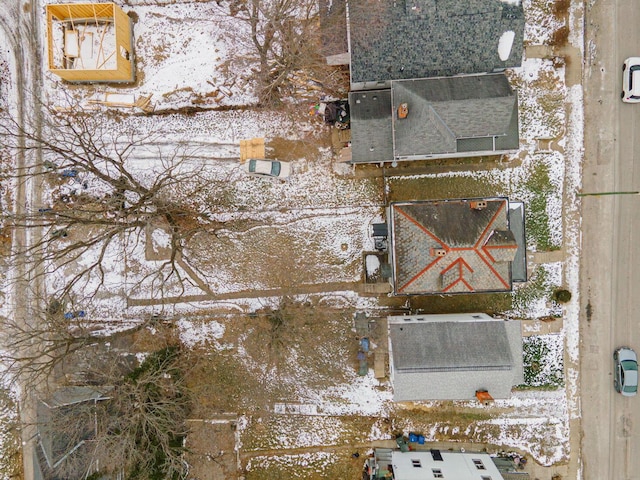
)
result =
(403, 110)
(380, 230)
(478, 205)
(437, 252)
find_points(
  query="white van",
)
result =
(631, 80)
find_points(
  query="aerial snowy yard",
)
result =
(264, 288)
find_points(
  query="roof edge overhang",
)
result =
(438, 156)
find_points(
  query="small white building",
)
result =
(427, 465)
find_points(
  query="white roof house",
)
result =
(449, 465)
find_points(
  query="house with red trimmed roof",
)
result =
(456, 246)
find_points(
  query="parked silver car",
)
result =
(268, 168)
(625, 365)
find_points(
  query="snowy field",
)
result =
(311, 230)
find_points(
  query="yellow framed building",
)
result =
(90, 42)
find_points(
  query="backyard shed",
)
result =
(90, 42)
(66, 430)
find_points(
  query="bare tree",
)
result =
(135, 426)
(54, 347)
(115, 196)
(286, 36)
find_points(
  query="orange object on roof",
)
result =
(483, 396)
(403, 110)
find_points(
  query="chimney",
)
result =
(478, 204)
(403, 110)
(437, 252)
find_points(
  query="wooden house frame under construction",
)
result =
(90, 42)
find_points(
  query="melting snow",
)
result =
(504, 45)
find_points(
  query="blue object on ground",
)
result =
(413, 437)
(363, 365)
(364, 344)
(69, 173)
(421, 439)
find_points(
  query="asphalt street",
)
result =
(20, 35)
(610, 231)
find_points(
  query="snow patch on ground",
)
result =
(364, 395)
(183, 51)
(198, 333)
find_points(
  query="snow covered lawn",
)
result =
(266, 355)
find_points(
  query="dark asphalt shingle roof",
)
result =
(446, 109)
(454, 222)
(447, 115)
(428, 38)
(333, 24)
(371, 128)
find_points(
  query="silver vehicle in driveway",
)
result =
(268, 168)
(631, 80)
(625, 364)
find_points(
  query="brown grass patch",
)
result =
(211, 450)
(560, 37)
(561, 8)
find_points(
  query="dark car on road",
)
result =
(625, 364)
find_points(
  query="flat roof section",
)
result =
(371, 127)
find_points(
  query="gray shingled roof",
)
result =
(449, 357)
(429, 38)
(420, 228)
(447, 116)
(444, 110)
(371, 128)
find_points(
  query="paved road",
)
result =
(611, 233)
(20, 35)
